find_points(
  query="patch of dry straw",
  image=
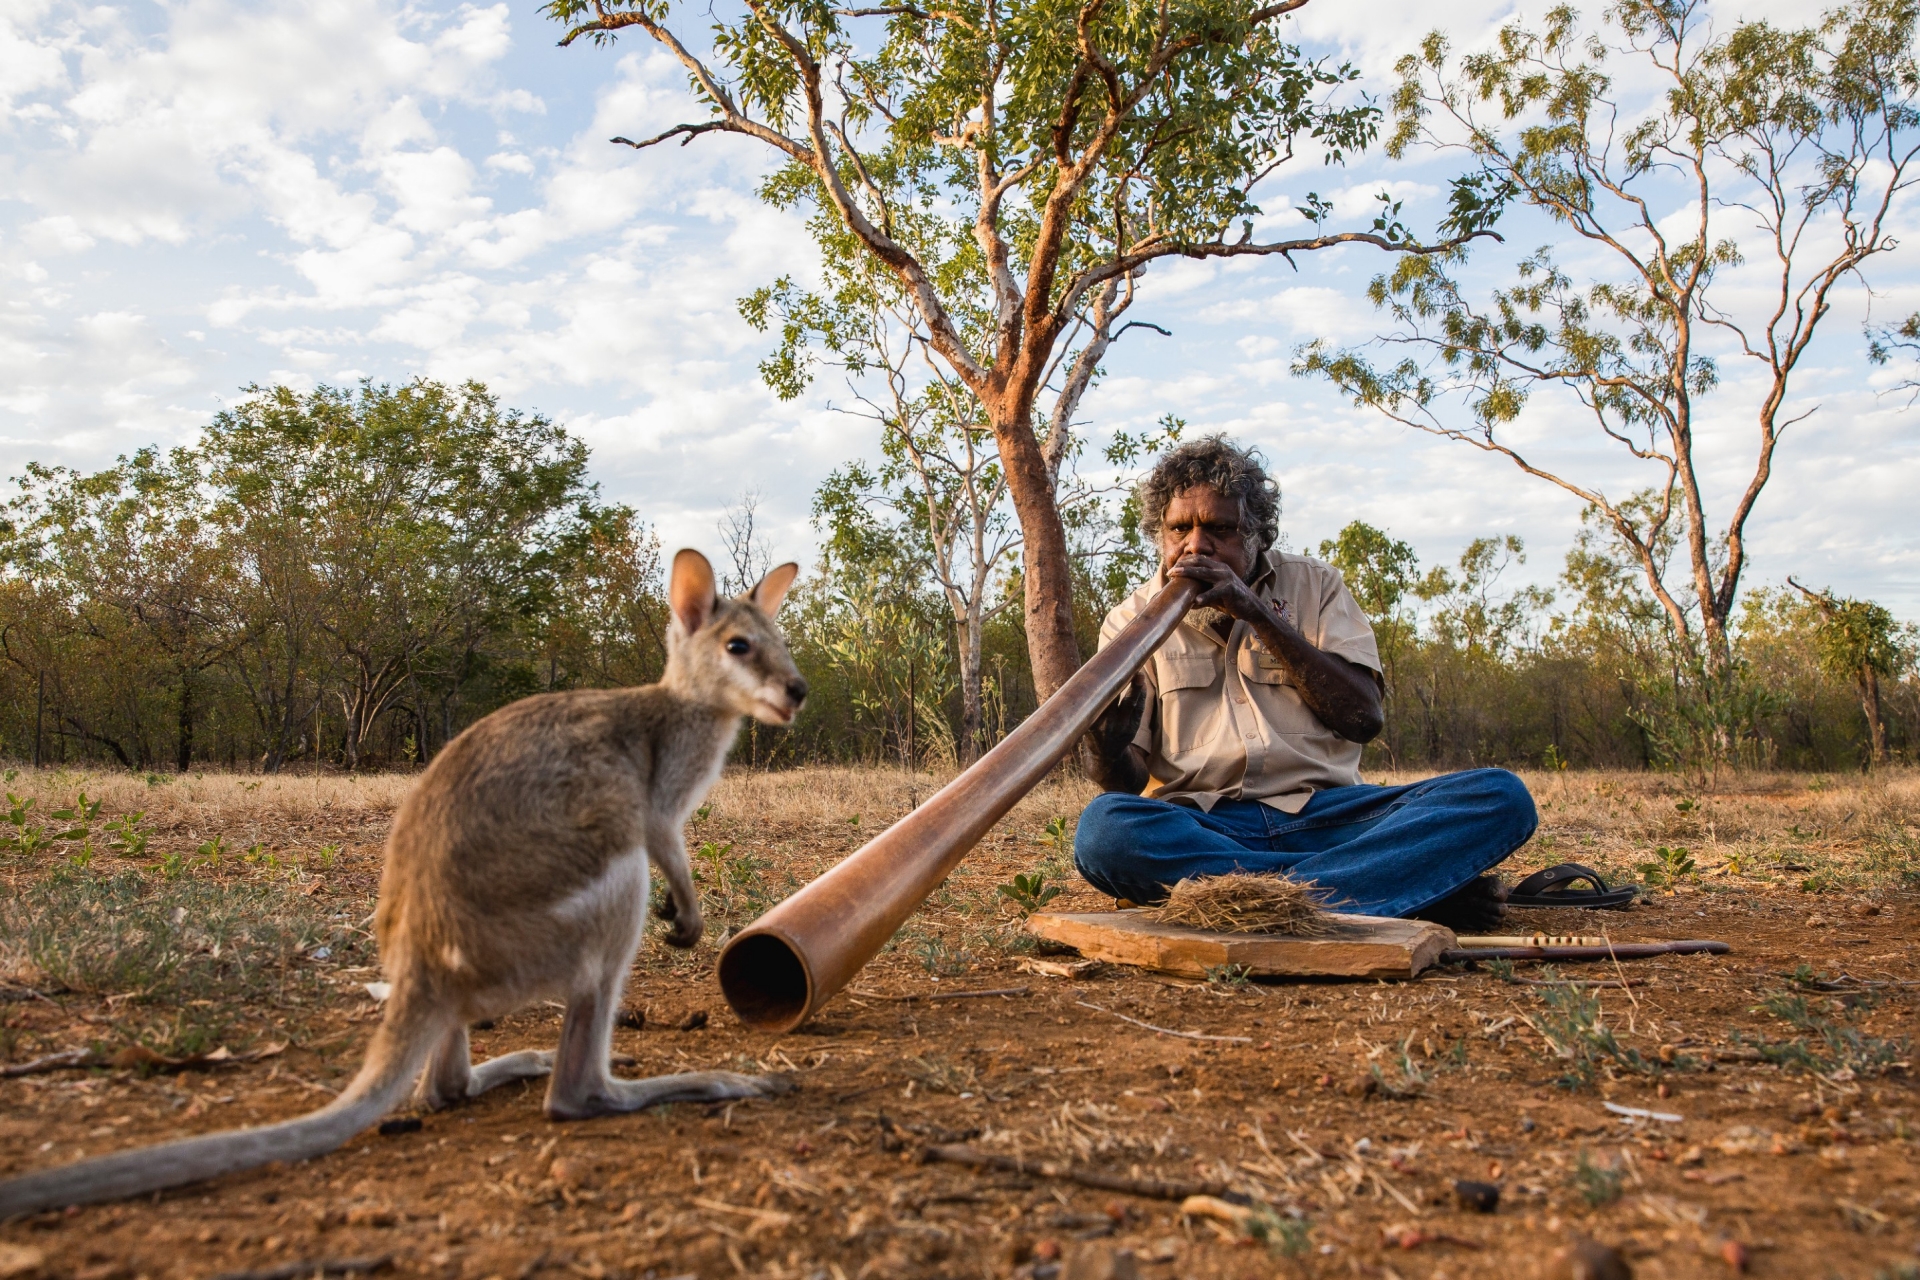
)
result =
(1246, 902)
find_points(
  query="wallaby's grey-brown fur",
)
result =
(517, 870)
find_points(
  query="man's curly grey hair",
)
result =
(1228, 470)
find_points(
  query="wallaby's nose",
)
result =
(797, 690)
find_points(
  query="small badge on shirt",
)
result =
(1285, 609)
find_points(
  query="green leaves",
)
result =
(28, 838)
(1668, 867)
(1058, 837)
(1475, 202)
(124, 835)
(1030, 892)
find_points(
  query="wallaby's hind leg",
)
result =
(452, 1075)
(583, 1087)
(522, 1064)
(448, 1072)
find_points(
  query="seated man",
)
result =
(1237, 748)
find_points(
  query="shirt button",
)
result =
(1239, 697)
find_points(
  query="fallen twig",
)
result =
(942, 995)
(1395, 1192)
(1058, 968)
(1578, 982)
(1845, 982)
(61, 1061)
(1165, 1031)
(138, 1057)
(324, 1267)
(1151, 1188)
(1737, 1055)
(770, 1217)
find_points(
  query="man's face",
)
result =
(1202, 522)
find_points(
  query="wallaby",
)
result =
(517, 870)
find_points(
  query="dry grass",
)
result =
(830, 793)
(1741, 824)
(1245, 902)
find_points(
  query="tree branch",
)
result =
(691, 131)
(1132, 262)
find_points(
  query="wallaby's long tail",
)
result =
(398, 1052)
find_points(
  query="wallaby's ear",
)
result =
(770, 591)
(690, 590)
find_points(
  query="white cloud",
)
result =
(210, 193)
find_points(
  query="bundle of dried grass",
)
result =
(1246, 902)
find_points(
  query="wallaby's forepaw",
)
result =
(687, 924)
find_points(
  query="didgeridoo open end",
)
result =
(795, 958)
(765, 979)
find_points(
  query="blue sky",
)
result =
(203, 194)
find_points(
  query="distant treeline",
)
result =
(347, 579)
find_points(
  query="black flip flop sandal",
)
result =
(1549, 889)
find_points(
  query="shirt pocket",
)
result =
(1262, 667)
(1190, 711)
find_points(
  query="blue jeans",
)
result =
(1381, 851)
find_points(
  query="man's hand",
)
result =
(1225, 589)
(1108, 753)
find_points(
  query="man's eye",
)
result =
(738, 646)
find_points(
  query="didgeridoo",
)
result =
(793, 959)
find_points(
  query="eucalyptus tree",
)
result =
(1714, 191)
(938, 481)
(427, 518)
(144, 586)
(1859, 642)
(1012, 167)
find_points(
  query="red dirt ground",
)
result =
(1803, 1173)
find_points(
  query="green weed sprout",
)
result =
(1285, 1237)
(1057, 837)
(1838, 1047)
(1030, 892)
(1231, 976)
(1598, 1184)
(1572, 1026)
(124, 835)
(1669, 867)
(26, 837)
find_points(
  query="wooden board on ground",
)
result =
(1358, 946)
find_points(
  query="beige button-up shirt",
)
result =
(1224, 718)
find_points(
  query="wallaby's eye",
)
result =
(738, 646)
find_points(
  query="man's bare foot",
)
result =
(1475, 907)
